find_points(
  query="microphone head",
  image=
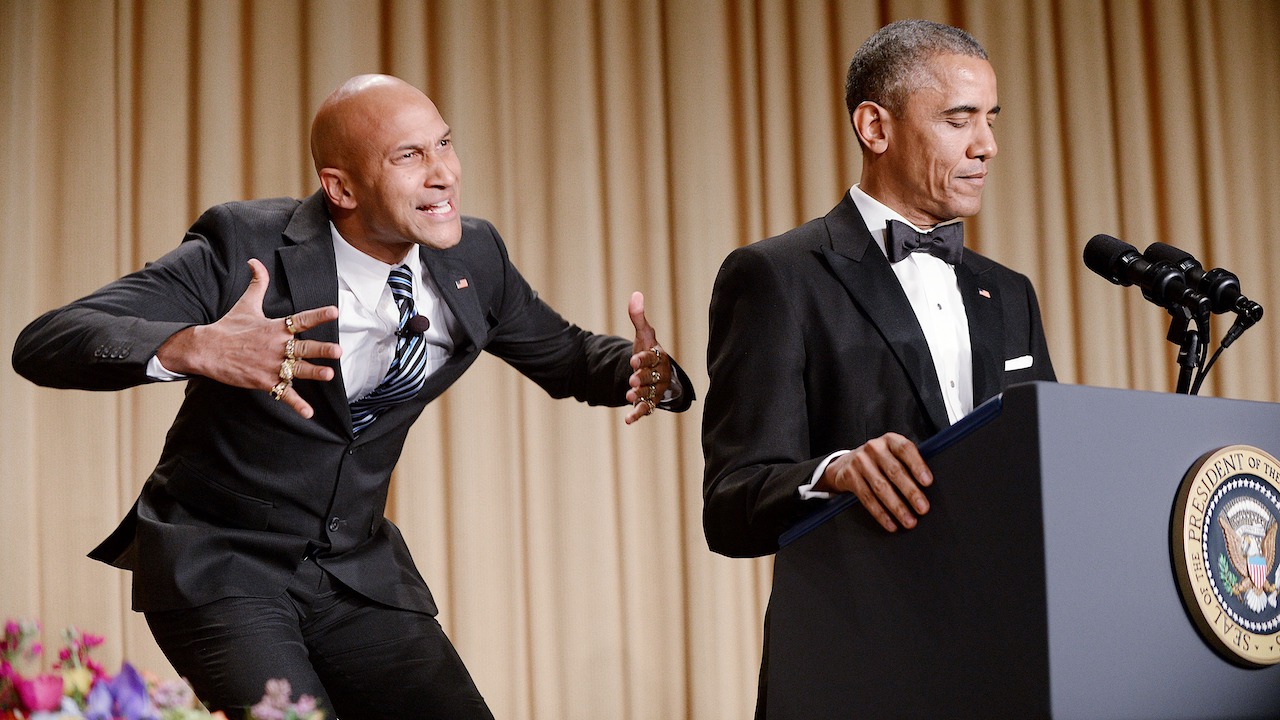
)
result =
(1103, 254)
(416, 325)
(1158, 252)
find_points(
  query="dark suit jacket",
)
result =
(245, 488)
(814, 348)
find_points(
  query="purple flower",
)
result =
(124, 697)
(172, 694)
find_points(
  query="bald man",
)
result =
(311, 335)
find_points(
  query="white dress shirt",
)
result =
(930, 286)
(368, 317)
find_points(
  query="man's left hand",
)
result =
(650, 362)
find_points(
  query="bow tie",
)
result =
(945, 242)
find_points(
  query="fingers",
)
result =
(307, 319)
(285, 393)
(639, 409)
(886, 474)
(293, 366)
(316, 349)
(303, 370)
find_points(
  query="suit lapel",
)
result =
(865, 273)
(311, 275)
(982, 305)
(454, 281)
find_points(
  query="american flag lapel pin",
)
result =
(983, 292)
(462, 284)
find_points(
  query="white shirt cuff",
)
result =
(156, 371)
(806, 491)
(674, 391)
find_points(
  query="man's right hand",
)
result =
(886, 474)
(244, 348)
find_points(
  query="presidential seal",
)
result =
(1224, 552)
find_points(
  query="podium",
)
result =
(1040, 583)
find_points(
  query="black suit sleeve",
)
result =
(563, 359)
(756, 421)
(105, 340)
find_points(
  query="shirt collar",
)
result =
(877, 215)
(366, 276)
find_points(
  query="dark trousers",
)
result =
(358, 658)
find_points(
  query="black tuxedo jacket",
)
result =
(814, 348)
(245, 488)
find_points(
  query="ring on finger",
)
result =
(289, 346)
(290, 325)
(654, 376)
(651, 405)
(657, 354)
(650, 392)
(279, 389)
(286, 370)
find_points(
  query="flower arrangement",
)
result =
(79, 688)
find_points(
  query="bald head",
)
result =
(340, 132)
(386, 163)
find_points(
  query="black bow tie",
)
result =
(945, 242)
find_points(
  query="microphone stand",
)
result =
(1190, 349)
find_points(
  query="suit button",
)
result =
(334, 523)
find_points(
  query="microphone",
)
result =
(1222, 288)
(1120, 263)
(416, 325)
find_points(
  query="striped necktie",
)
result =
(405, 377)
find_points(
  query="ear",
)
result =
(872, 123)
(337, 188)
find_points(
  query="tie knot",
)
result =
(401, 281)
(945, 242)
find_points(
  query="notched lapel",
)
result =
(311, 275)
(457, 287)
(982, 304)
(874, 288)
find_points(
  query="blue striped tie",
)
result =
(405, 377)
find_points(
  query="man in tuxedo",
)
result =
(311, 335)
(837, 346)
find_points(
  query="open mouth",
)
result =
(444, 207)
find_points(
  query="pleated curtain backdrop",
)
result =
(618, 146)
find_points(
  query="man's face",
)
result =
(407, 178)
(935, 163)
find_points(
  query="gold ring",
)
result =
(654, 376)
(288, 348)
(290, 326)
(650, 392)
(657, 353)
(279, 390)
(286, 370)
(652, 405)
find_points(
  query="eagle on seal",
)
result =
(1253, 556)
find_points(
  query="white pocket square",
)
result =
(1018, 363)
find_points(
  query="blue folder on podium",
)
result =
(981, 415)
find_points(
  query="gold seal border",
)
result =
(1201, 481)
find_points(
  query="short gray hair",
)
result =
(889, 66)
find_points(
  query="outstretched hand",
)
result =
(652, 365)
(246, 349)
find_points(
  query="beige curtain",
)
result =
(618, 146)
